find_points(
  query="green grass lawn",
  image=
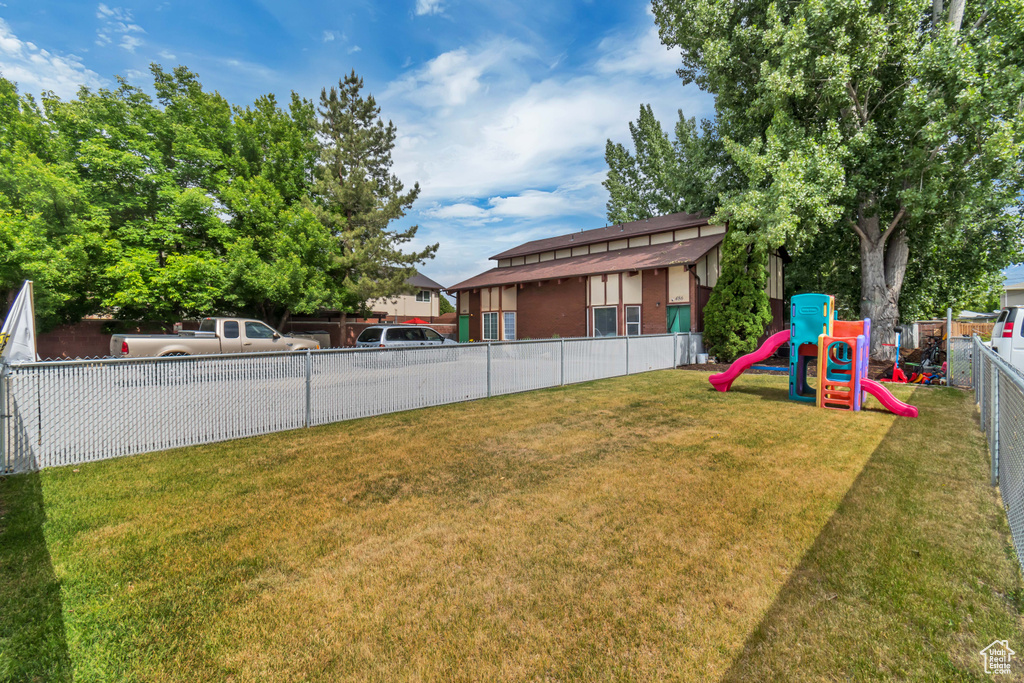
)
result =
(640, 528)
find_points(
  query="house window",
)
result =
(490, 326)
(606, 321)
(510, 326)
(632, 320)
(423, 295)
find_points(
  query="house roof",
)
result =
(621, 260)
(423, 282)
(647, 226)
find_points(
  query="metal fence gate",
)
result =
(72, 412)
(959, 365)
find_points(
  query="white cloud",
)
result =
(451, 78)
(467, 213)
(164, 54)
(130, 43)
(643, 55)
(428, 7)
(36, 70)
(328, 36)
(507, 142)
(117, 21)
(354, 49)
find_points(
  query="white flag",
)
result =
(18, 336)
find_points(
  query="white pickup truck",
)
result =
(215, 335)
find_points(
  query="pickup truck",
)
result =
(215, 335)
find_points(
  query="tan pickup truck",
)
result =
(215, 335)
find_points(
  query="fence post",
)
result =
(627, 354)
(5, 465)
(994, 416)
(309, 386)
(561, 356)
(488, 369)
(675, 350)
(949, 331)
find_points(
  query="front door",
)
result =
(463, 329)
(678, 318)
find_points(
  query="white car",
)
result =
(392, 336)
(1008, 336)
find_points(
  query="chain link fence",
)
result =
(999, 392)
(71, 412)
(959, 362)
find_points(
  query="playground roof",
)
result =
(622, 260)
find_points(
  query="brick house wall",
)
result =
(551, 309)
(653, 316)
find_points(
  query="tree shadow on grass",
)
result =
(906, 579)
(33, 646)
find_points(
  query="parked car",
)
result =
(391, 336)
(1008, 336)
(215, 335)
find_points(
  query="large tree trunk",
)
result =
(883, 263)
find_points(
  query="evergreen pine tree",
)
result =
(356, 196)
(737, 310)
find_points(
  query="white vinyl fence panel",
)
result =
(72, 412)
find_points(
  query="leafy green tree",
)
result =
(49, 232)
(154, 174)
(897, 121)
(445, 306)
(281, 260)
(664, 176)
(356, 196)
(737, 311)
(690, 173)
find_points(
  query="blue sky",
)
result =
(502, 108)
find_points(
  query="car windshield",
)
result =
(370, 334)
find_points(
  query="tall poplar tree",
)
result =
(895, 120)
(357, 197)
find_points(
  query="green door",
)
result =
(678, 318)
(463, 329)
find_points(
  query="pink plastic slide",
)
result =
(723, 380)
(892, 404)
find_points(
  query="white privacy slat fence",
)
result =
(72, 412)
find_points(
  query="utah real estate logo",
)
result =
(998, 657)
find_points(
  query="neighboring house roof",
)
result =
(447, 318)
(647, 226)
(977, 315)
(423, 282)
(621, 260)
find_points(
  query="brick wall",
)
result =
(653, 317)
(90, 338)
(552, 309)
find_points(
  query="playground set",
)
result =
(840, 350)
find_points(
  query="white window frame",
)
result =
(511, 315)
(420, 295)
(483, 323)
(593, 320)
(637, 323)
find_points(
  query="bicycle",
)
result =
(932, 357)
